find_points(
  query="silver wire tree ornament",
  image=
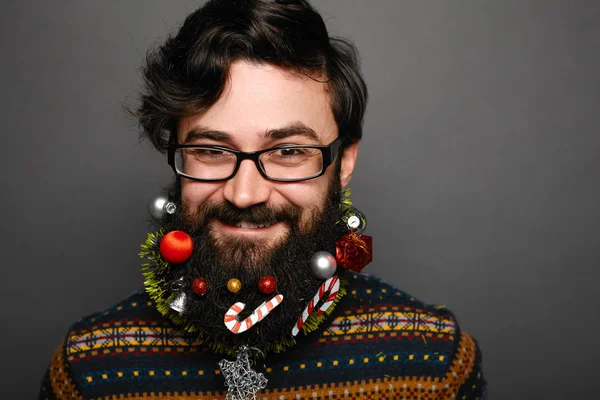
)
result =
(242, 381)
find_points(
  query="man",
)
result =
(260, 113)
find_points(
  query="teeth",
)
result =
(251, 225)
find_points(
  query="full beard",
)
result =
(218, 260)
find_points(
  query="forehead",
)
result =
(261, 97)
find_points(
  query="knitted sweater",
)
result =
(378, 343)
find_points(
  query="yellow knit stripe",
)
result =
(389, 322)
(125, 337)
(113, 350)
(424, 336)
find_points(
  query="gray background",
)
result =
(478, 172)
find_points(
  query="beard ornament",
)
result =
(236, 326)
(241, 380)
(160, 207)
(176, 247)
(273, 278)
(354, 250)
(330, 286)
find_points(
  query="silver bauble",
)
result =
(178, 303)
(357, 221)
(323, 265)
(160, 207)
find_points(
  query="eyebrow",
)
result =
(200, 132)
(294, 129)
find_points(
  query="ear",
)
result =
(348, 162)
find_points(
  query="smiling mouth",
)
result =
(253, 225)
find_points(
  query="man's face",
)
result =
(261, 107)
(258, 100)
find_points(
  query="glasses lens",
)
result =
(292, 163)
(204, 162)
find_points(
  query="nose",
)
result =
(247, 187)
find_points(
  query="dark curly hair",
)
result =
(187, 74)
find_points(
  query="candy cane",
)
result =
(331, 285)
(236, 326)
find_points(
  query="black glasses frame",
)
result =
(329, 153)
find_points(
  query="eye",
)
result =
(289, 156)
(205, 154)
(208, 152)
(289, 152)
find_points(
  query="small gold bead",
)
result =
(234, 285)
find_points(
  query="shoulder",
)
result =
(97, 331)
(424, 339)
(136, 307)
(101, 339)
(133, 321)
(371, 292)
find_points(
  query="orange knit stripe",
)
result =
(62, 385)
(463, 363)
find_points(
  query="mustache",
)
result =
(261, 214)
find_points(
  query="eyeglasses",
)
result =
(281, 164)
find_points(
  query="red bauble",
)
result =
(199, 286)
(267, 284)
(176, 247)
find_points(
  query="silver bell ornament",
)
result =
(160, 207)
(178, 303)
(356, 221)
(323, 265)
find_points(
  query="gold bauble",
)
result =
(234, 285)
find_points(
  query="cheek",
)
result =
(310, 196)
(304, 194)
(195, 193)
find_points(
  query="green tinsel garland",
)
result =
(345, 205)
(157, 287)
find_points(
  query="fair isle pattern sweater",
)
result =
(379, 343)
